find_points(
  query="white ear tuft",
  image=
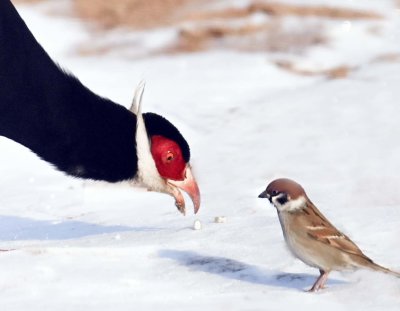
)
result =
(136, 106)
(147, 174)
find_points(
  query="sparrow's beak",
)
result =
(265, 195)
(189, 185)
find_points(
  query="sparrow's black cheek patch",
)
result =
(282, 199)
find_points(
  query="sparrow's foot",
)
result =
(320, 282)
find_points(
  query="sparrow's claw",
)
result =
(320, 282)
(315, 289)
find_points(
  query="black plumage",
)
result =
(52, 113)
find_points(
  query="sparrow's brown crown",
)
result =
(283, 185)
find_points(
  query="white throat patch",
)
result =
(147, 175)
(290, 205)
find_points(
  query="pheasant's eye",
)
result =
(169, 157)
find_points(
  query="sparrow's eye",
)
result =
(274, 193)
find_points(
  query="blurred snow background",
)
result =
(309, 96)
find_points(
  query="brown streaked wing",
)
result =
(333, 237)
(326, 233)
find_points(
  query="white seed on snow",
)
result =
(220, 219)
(197, 225)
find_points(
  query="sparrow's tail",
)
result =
(379, 268)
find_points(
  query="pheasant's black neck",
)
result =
(54, 115)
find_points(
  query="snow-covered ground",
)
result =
(83, 246)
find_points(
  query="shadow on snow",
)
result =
(14, 228)
(236, 270)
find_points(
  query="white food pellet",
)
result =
(197, 225)
(220, 219)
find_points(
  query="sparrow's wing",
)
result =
(320, 229)
(334, 238)
(331, 236)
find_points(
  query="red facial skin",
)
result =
(168, 158)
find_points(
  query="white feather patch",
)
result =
(147, 175)
(334, 237)
(290, 205)
(136, 106)
(316, 227)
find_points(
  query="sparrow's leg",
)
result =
(320, 282)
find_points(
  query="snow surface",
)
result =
(84, 246)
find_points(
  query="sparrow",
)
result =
(311, 237)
